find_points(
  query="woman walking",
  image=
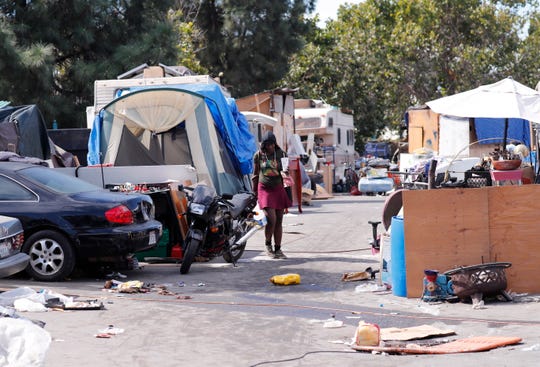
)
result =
(268, 186)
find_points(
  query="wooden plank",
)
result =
(416, 138)
(179, 200)
(443, 228)
(514, 233)
(450, 227)
(428, 121)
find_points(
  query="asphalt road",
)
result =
(233, 316)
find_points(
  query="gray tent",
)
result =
(23, 131)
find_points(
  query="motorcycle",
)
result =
(218, 225)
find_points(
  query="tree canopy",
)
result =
(376, 59)
(54, 50)
(382, 56)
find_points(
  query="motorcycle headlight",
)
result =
(197, 208)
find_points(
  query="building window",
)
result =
(330, 121)
(339, 135)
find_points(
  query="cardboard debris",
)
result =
(321, 193)
(415, 332)
(369, 273)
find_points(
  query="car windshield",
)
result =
(57, 181)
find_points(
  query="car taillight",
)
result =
(119, 215)
(17, 241)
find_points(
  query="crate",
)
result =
(478, 179)
(159, 251)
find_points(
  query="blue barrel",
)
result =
(397, 253)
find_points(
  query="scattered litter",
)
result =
(27, 305)
(532, 348)
(370, 287)
(84, 305)
(479, 306)
(103, 336)
(109, 332)
(132, 286)
(180, 284)
(333, 324)
(285, 279)
(201, 285)
(8, 297)
(165, 292)
(414, 332)
(27, 300)
(429, 309)
(184, 297)
(477, 301)
(369, 273)
(22, 343)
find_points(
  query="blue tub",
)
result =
(397, 253)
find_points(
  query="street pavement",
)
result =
(234, 316)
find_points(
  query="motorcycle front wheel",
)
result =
(236, 254)
(190, 251)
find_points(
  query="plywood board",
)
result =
(256, 103)
(429, 122)
(443, 229)
(514, 232)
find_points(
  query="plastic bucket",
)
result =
(397, 254)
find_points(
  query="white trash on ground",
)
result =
(8, 298)
(27, 305)
(370, 287)
(22, 343)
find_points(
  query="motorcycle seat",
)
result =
(240, 201)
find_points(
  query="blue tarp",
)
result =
(231, 124)
(518, 129)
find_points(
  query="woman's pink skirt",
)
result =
(273, 197)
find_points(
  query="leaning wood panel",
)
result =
(515, 234)
(429, 122)
(442, 229)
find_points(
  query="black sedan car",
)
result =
(68, 221)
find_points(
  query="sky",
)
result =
(328, 8)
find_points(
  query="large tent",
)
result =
(188, 124)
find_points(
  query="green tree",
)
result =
(526, 67)
(382, 56)
(23, 68)
(90, 40)
(249, 42)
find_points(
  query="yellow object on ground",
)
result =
(368, 334)
(285, 279)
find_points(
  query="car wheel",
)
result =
(51, 256)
